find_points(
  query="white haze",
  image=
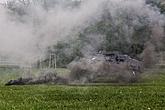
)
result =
(27, 41)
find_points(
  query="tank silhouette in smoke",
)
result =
(106, 67)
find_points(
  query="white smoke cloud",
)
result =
(26, 41)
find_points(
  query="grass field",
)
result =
(148, 95)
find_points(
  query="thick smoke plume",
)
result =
(25, 38)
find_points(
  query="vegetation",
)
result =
(116, 37)
(141, 43)
(128, 33)
(47, 97)
(147, 95)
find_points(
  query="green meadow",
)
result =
(148, 94)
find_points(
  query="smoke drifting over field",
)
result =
(25, 38)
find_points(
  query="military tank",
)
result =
(117, 58)
(106, 67)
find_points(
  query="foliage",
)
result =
(115, 39)
(158, 3)
(66, 52)
(120, 33)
